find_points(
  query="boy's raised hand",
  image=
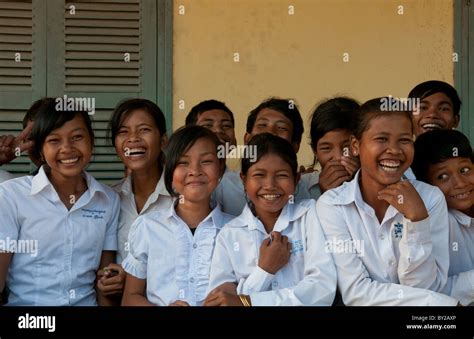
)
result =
(10, 146)
(274, 254)
(333, 174)
(111, 280)
(351, 164)
(404, 197)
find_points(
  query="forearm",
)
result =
(135, 299)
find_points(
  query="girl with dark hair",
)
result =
(171, 249)
(70, 222)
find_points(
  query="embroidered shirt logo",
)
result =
(92, 214)
(398, 228)
(296, 246)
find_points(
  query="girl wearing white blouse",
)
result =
(170, 250)
(273, 253)
(388, 235)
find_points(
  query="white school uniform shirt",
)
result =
(308, 279)
(159, 199)
(68, 243)
(174, 263)
(396, 262)
(460, 283)
(230, 194)
(4, 176)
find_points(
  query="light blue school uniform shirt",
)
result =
(64, 246)
(309, 277)
(174, 263)
(460, 283)
(160, 199)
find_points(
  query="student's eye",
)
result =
(121, 132)
(261, 125)
(257, 175)
(282, 128)
(182, 163)
(208, 126)
(324, 149)
(406, 141)
(442, 177)
(381, 139)
(445, 108)
(423, 107)
(282, 175)
(77, 137)
(208, 161)
(52, 141)
(227, 126)
(145, 129)
(465, 170)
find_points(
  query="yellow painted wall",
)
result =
(301, 55)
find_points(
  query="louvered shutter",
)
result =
(103, 50)
(22, 66)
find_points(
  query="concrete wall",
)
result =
(301, 55)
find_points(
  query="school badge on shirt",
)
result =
(397, 230)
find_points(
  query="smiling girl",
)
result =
(69, 219)
(272, 253)
(171, 250)
(395, 230)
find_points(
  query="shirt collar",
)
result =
(41, 182)
(215, 217)
(461, 218)
(160, 189)
(289, 213)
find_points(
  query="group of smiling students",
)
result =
(182, 229)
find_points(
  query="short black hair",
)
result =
(373, 109)
(428, 88)
(179, 143)
(267, 143)
(48, 118)
(31, 112)
(288, 108)
(332, 114)
(204, 106)
(437, 146)
(123, 110)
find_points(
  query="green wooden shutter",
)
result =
(22, 81)
(87, 52)
(464, 67)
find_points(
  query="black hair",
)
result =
(48, 118)
(267, 143)
(123, 110)
(332, 114)
(428, 88)
(373, 109)
(207, 105)
(437, 146)
(30, 114)
(179, 143)
(288, 108)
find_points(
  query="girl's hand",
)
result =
(179, 303)
(351, 164)
(10, 146)
(111, 280)
(332, 175)
(221, 298)
(274, 254)
(404, 197)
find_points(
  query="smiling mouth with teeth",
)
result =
(69, 161)
(389, 165)
(431, 126)
(270, 197)
(461, 196)
(134, 152)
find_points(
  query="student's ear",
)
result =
(296, 146)
(354, 146)
(456, 120)
(247, 137)
(164, 141)
(242, 177)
